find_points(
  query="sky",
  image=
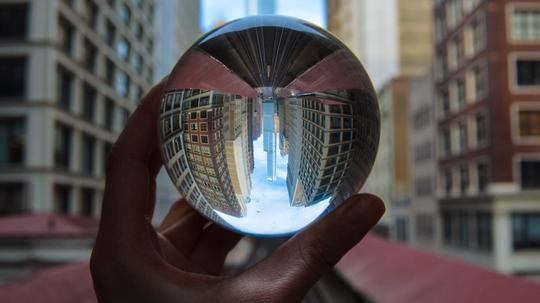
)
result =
(214, 11)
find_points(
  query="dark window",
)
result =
(110, 33)
(445, 103)
(87, 201)
(65, 35)
(88, 154)
(447, 182)
(463, 229)
(12, 76)
(481, 128)
(62, 197)
(447, 227)
(526, 230)
(528, 72)
(91, 13)
(12, 140)
(108, 114)
(90, 53)
(482, 176)
(402, 232)
(89, 103)
(13, 21)
(11, 198)
(484, 232)
(109, 72)
(64, 88)
(62, 146)
(530, 174)
(464, 179)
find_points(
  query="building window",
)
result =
(13, 21)
(460, 93)
(125, 116)
(137, 63)
(480, 82)
(526, 231)
(89, 103)
(12, 77)
(478, 37)
(529, 123)
(87, 202)
(447, 182)
(88, 154)
(62, 198)
(64, 88)
(462, 133)
(445, 142)
(109, 72)
(90, 55)
(526, 24)
(204, 139)
(62, 146)
(402, 232)
(125, 13)
(481, 128)
(65, 35)
(464, 180)
(483, 177)
(530, 174)
(528, 72)
(122, 84)
(108, 114)
(11, 198)
(90, 13)
(12, 140)
(445, 103)
(110, 33)
(123, 49)
(484, 231)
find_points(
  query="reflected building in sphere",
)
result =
(283, 138)
(197, 147)
(323, 139)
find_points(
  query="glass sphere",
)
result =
(268, 123)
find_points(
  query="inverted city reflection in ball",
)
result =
(267, 123)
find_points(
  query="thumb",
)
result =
(289, 273)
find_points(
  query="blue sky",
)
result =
(213, 11)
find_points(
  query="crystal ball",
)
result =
(268, 123)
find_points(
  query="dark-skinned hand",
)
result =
(182, 261)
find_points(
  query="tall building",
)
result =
(419, 222)
(390, 177)
(70, 74)
(176, 28)
(390, 37)
(488, 111)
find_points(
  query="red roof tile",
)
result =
(391, 272)
(62, 284)
(47, 226)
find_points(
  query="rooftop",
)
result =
(36, 225)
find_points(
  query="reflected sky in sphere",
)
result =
(267, 123)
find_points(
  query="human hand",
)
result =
(131, 262)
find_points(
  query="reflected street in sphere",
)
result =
(267, 123)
